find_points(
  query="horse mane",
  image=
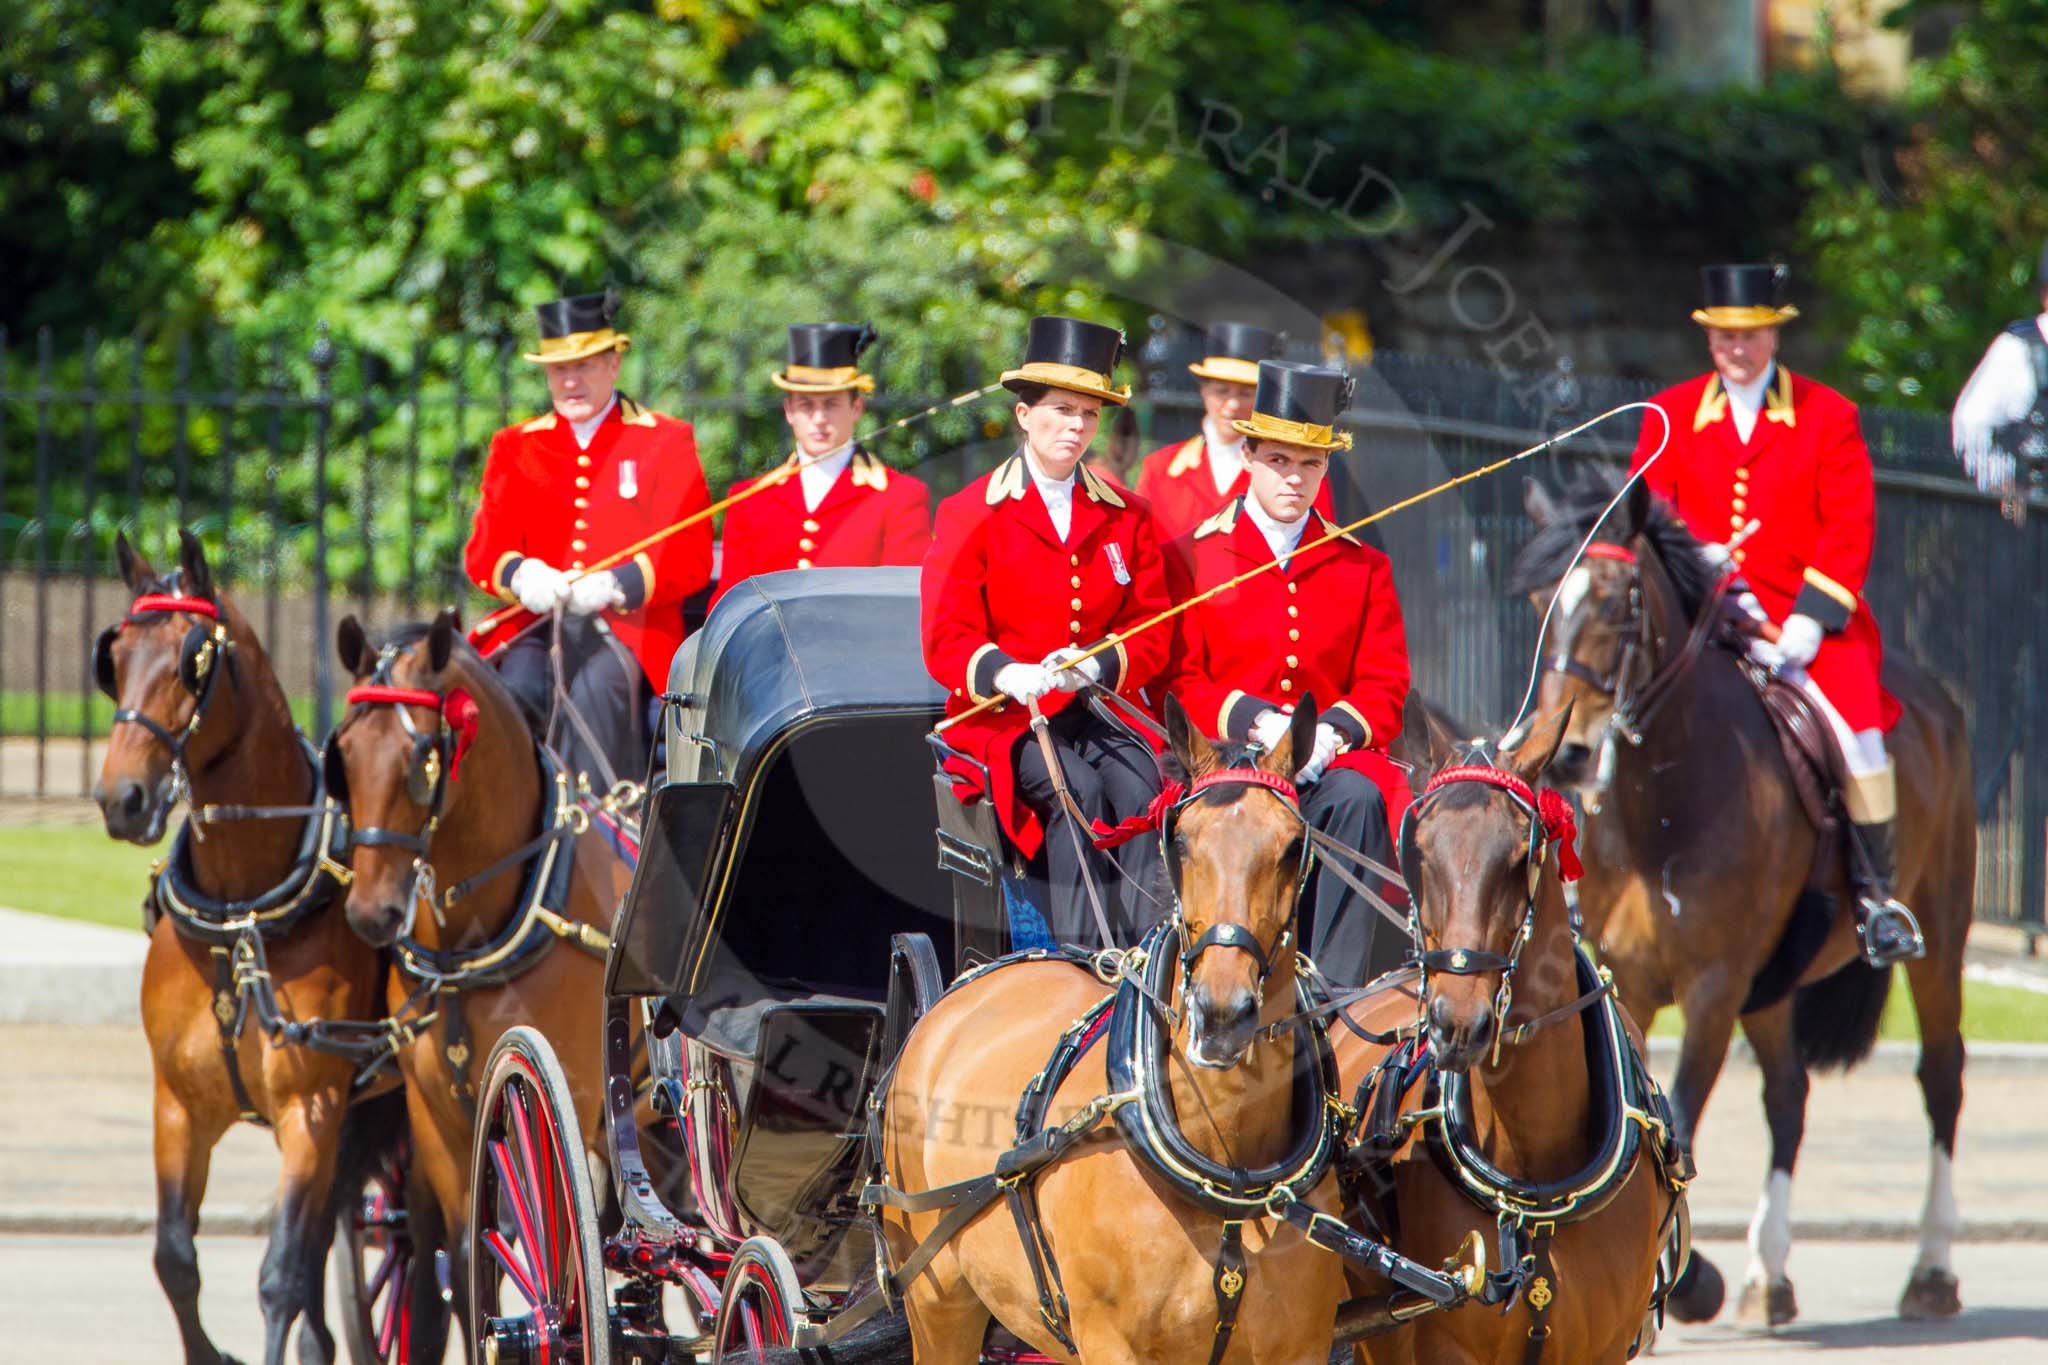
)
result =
(1548, 555)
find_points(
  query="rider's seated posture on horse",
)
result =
(1030, 566)
(563, 492)
(1326, 624)
(1186, 482)
(831, 503)
(1751, 441)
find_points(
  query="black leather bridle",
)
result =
(1228, 935)
(206, 644)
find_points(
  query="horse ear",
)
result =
(192, 559)
(352, 646)
(135, 570)
(1424, 745)
(1300, 747)
(1529, 758)
(1636, 507)
(1189, 745)
(441, 639)
(1538, 503)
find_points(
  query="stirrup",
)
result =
(1904, 938)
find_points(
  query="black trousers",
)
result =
(1111, 775)
(1347, 936)
(604, 683)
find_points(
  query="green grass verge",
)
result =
(74, 871)
(1991, 1014)
(65, 711)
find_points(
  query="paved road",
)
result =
(94, 1301)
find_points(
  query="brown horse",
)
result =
(453, 813)
(1530, 1111)
(1698, 853)
(1139, 1263)
(200, 706)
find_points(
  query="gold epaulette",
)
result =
(868, 472)
(1224, 520)
(542, 423)
(1007, 482)
(1099, 488)
(1188, 457)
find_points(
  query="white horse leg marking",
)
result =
(1770, 1231)
(1938, 1217)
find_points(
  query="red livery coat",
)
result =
(1328, 626)
(543, 498)
(1001, 587)
(1175, 482)
(1804, 475)
(871, 514)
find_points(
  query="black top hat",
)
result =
(1231, 352)
(1300, 404)
(578, 326)
(824, 356)
(1067, 353)
(1739, 297)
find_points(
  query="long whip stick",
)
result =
(770, 480)
(1161, 618)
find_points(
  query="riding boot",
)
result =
(1888, 930)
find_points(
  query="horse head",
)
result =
(1474, 853)
(1234, 849)
(161, 665)
(420, 698)
(1609, 612)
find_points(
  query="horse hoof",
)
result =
(1699, 1293)
(1931, 1293)
(1762, 1306)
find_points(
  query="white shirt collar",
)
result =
(1058, 495)
(1747, 400)
(818, 476)
(586, 430)
(1281, 536)
(1225, 448)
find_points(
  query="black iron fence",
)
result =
(324, 479)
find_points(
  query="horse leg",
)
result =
(1932, 1292)
(1767, 1298)
(428, 1316)
(1709, 1008)
(184, 1155)
(946, 1328)
(304, 1225)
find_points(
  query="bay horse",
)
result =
(1515, 1088)
(469, 861)
(1698, 855)
(1138, 1268)
(201, 711)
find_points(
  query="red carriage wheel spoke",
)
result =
(495, 1240)
(515, 1194)
(539, 1255)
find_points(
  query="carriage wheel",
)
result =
(373, 1267)
(762, 1298)
(537, 1291)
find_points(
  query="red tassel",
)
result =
(1106, 836)
(461, 712)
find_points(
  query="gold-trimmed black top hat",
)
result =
(1300, 404)
(579, 326)
(1232, 352)
(1740, 297)
(824, 358)
(1067, 353)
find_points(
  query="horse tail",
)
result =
(1835, 1018)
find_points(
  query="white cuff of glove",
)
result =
(595, 592)
(1023, 683)
(1799, 640)
(539, 586)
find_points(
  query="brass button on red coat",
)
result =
(1287, 684)
(578, 545)
(1293, 662)
(1074, 626)
(583, 462)
(1294, 611)
(575, 563)
(582, 482)
(810, 525)
(1738, 504)
(582, 525)
(1074, 582)
(803, 563)
(807, 544)
(1294, 635)
(1075, 560)
(582, 503)
(1294, 587)
(1074, 604)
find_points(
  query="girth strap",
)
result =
(229, 1010)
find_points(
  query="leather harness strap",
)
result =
(230, 1008)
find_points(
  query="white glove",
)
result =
(1023, 683)
(1328, 742)
(1075, 677)
(1717, 554)
(595, 592)
(1799, 640)
(1269, 727)
(539, 586)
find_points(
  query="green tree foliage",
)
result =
(1938, 254)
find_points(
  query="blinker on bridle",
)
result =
(203, 647)
(1550, 822)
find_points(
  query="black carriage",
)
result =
(788, 920)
